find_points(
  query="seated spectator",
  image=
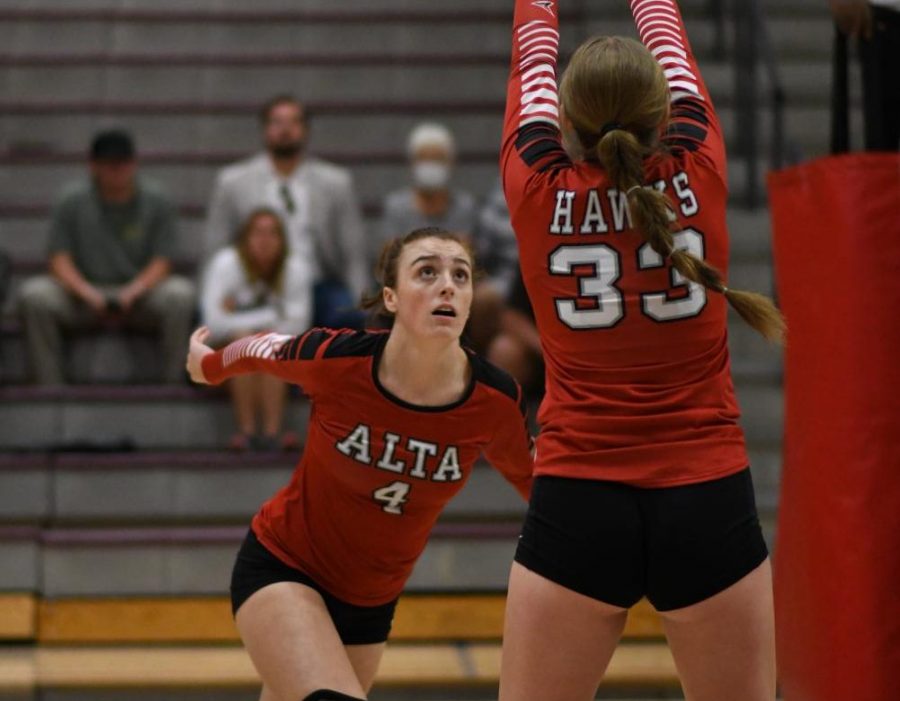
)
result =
(315, 199)
(876, 23)
(431, 202)
(112, 239)
(517, 347)
(254, 286)
(495, 243)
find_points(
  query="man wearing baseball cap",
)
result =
(112, 239)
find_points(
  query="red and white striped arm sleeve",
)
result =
(693, 126)
(531, 136)
(661, 30)
(286, 357)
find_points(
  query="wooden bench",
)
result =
(18, 617)
(419, 618)
(634, 665)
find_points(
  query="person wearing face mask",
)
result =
(430, 201)
(315, 199)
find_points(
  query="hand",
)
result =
(128, 296)
(96, 300)
(853, 17)
(197, 351)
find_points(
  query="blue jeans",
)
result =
(333, 307)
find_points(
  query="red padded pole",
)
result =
(836, 224)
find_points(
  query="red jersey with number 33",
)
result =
(639, 388)
(376, 471)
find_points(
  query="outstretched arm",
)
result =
(290, 358)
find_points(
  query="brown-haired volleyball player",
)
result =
(398, 419)
(642, 485)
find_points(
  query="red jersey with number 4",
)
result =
(639, 386)
(376, 471)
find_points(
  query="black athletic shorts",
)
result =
(616, 543)
(256, 568)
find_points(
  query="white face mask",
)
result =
(431, 175)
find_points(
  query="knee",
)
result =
(40, 294)
(175, 294)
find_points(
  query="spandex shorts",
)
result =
(256, 568)
(677, 546)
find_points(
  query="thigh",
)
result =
(724, 647)
(292, 641)
(556, 643)
(173, 296)
(365, 660)
(46, 293)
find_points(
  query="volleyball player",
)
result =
(642, 486)
(398, 419)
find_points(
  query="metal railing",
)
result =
(754, 56)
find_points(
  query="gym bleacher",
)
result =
(120, 513)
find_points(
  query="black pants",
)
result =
(880, 58)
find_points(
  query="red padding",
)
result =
(836, 224)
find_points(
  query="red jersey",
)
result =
(376, 471)
(639, 386)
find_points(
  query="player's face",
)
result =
(434, 288)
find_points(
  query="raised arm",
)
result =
(693, 125)
(531, 136)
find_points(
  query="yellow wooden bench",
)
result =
(18, 617)
(408, 665)
(448, 640)
(435, 618)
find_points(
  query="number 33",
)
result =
(601, 286)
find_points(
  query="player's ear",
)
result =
(390, 299)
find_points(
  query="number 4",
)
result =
(393, 496)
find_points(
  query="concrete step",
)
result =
(154, 562)
(115, 358)
(166, 418)
(185, 488)
(220, 488)
(146, 417)
(31, 189)
(163, 561)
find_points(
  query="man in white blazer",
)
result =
(318, 204)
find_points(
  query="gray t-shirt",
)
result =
(111, 244)
(401, 216)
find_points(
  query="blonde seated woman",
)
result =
(255, 285)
